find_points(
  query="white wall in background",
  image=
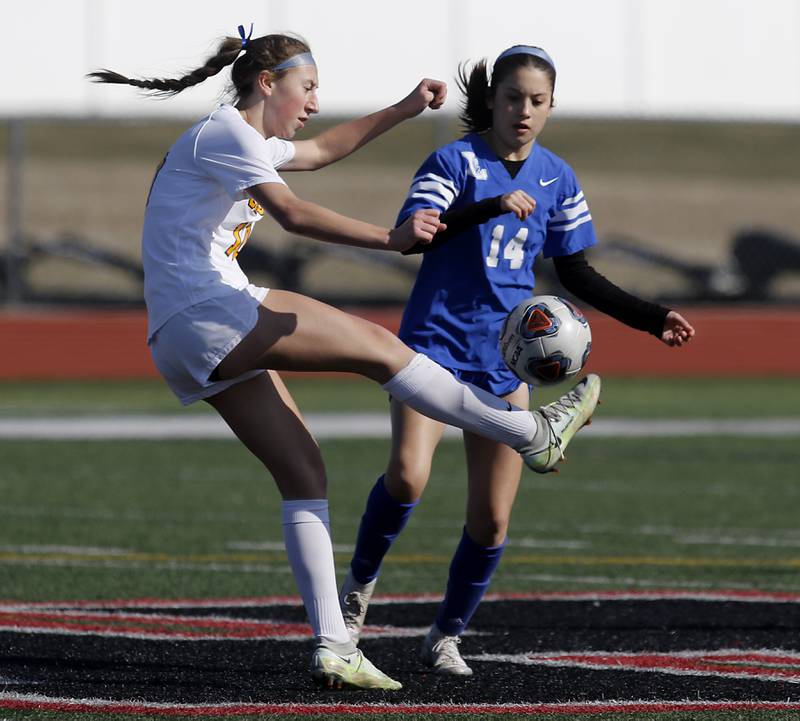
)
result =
(649, 58)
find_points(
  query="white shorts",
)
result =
(191, 344)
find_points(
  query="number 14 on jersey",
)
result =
(513, 251)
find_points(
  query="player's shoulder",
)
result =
(467, 146)
(225, 118)
(443, 163)
(224, 127)
(459, 158)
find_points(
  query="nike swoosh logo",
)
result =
(544, 183)
(346, 660)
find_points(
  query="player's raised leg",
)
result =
(299, 333)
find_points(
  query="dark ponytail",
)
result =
(261, 54)
(475, 115)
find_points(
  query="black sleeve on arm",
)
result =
(584, 282)
(459, 220)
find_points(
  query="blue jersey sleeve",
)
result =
(570, 228)
(437, 184)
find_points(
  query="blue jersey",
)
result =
(466, 287)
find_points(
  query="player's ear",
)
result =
(264, 83)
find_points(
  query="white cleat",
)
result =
(353, 670)
(354, 601)
(562, 419)
(441, 653)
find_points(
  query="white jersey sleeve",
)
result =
(237, 156)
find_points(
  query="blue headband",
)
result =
(526, 50)
(245, 39)
(295, 61)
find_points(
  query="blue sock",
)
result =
(470, 573)
(381, 523)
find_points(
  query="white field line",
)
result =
(748, 541)
(615, 661)
(281, 567)
(359, 425)
(633, 582)
(683, 535)
(65, 550)
(169, 566)
(279, 546)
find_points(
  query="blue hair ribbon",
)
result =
(245, 38)
(526, 50)
(295, 61)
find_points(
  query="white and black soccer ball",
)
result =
(545, 340)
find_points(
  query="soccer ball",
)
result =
(545, 340)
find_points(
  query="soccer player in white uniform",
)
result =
(214, 336)
(505, 199)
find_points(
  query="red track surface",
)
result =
(74, 344)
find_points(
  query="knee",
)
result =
(302, 476)
(488, 529)
(405, 480)
(388, 354)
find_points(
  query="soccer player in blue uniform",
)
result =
(505, 199)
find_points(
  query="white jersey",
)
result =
(198, 217)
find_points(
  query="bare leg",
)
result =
(414, 440)
(266, 419)
(264, 416)
(494, 472)
(297, 333)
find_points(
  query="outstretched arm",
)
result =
(583, 281)
(314, 221)
(457, 220)
(341, 140)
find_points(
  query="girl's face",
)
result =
(292, 100)
(521, 104)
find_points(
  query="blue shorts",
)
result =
(498, 382)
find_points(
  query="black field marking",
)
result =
(541, 654)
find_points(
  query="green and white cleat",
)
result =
(352, 670)
(354, 601)
(562, 419)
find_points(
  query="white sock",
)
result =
(306, 533)
(431, 390)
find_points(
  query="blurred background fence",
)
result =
(681, 119)
(687, 211)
